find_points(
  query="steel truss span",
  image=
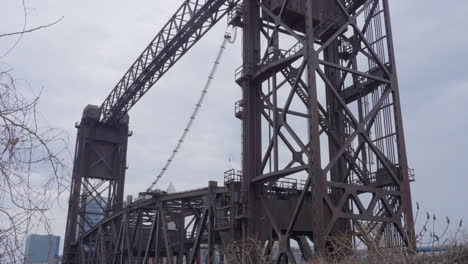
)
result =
(188, 25)
(324, 161)
(155, 227)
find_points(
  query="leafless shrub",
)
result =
(436, 246)
(253, 248)
(445, 245)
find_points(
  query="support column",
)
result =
(314, 162)
(337, 123)
(251, 143)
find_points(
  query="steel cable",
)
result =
(227, 38)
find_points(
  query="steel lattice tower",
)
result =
(320, 76)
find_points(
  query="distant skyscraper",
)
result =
(42, 249)
(94, 212)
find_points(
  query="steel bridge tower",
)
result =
(324, 163)
(320, 76)
(98, 178)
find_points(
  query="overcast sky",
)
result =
(78, 61)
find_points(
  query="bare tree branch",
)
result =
(31, 168)
(31, 29)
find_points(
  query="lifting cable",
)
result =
(196, 110)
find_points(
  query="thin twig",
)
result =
(31, 29)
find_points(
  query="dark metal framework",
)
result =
(319, 78)
(99, 172)
(173, 228)
(98, 177)
(322, 143)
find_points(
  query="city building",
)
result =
(42, 249)
(94, 212)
